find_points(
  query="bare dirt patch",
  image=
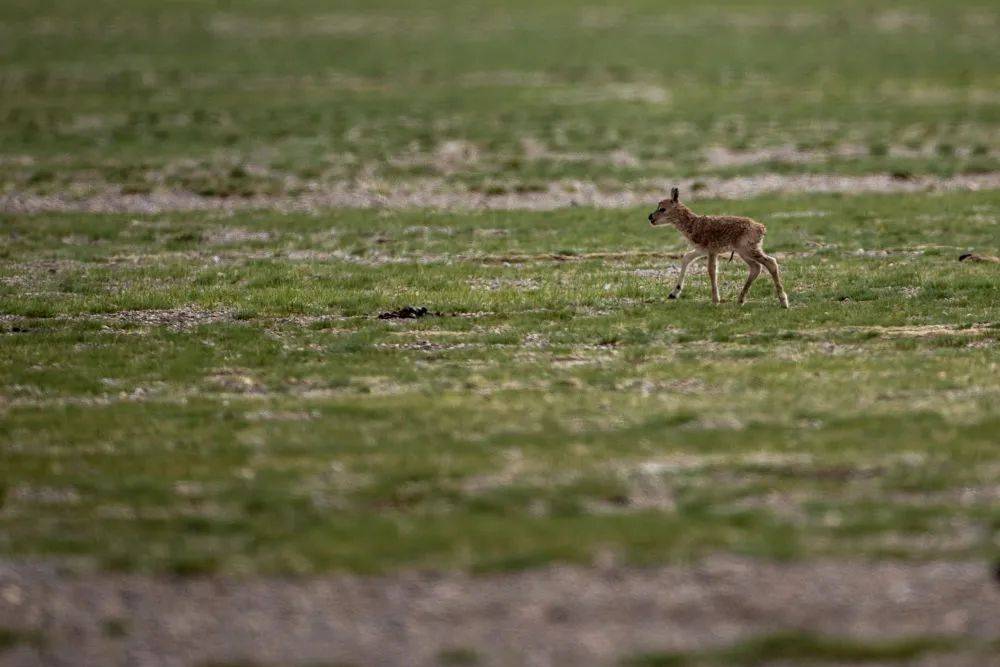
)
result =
(578, 257)
(494, 284)
(721, 156)
(559, 615)
(177, 319)
(436, 193)
(334, 24)
(425, 346)
(234, 235)
(929, 330)
(618, 92)
(900, 331)
(236, 381)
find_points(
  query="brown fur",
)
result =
(714, 234)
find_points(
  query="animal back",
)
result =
(723, 232)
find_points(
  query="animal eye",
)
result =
(661, 210)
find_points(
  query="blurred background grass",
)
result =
(260, 97)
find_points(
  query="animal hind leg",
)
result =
(772, 267)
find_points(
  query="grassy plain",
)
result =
(194, 378)
(217, 392)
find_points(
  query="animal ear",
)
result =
(674, 194)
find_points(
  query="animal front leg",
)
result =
(712, 277)
(687, 259)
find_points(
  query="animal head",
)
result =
(665, 209)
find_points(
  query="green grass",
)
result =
(235, 99)
(199, 392)
(458, 656)
(10, 638)
(796, 648)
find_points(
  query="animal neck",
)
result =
(683, 219)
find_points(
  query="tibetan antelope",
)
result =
(714, 234)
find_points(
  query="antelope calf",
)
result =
(714, 234)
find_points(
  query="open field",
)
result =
(213, 451)
(202, 393)
(207, 393)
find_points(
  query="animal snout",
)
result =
(650, 217)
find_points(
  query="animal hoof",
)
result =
(671, 296)
(784, 301)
